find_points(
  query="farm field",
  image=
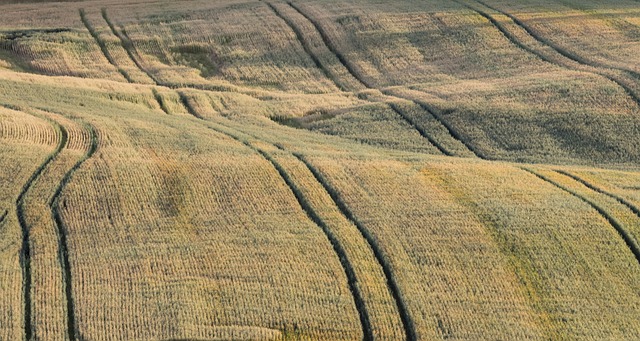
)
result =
(319, 170)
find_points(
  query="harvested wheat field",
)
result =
(319, 170)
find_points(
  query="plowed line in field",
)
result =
(128, 46)
(102, 45)
(327, 41)
(450, 129)
(160, 101)
(618, 198)
(136, 58)
(63, 247)
(185, 102)
(553, 46)
(337, 247)
(305, 45)
(25, 252)
(405, 317)
(314, 217)
(628, 239)
(563, 51)
(421, 131)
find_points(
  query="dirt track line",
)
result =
(128, 46)
(311, 214)
(305, 45)
(450, 129)
(160, 101)
(337, 246)
(563, 52)
(327, 41)
(63, 248)
(136, 58)
(102, 45)
(329, 44)
(421, 131)
(628, 239)
(193, 112)
(618, 198)
(407, 321)
(25, 252)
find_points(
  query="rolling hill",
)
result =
(320, 170)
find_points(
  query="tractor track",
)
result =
(25, 251)
(421, 131)
(405, 316)
(102, 45)
(627, 238)
(618, 198)
(329, 44)
(561, 51)
(128, 46)
(306, 46)
(312, 215)
(63, 245)
(351, 69)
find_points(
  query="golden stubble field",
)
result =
(320, 170)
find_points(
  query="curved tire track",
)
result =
(334, 49)
(405, 316)
(627, 238)
(128, 46)
(63, 247)
(571, 56)
(25, 251)
(102, 45)
(618, 198)
(313, 216)
(351, 69)
(305, 45)
(421, 131)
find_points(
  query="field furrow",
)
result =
(358, 75)
(63, 246)
(101, 44)
(624, 221)
(47, 279)
(405, 316)
(365, 320)
(161, 101)
(129, 47)
(306, 45)
(375, 302)
(421, 130)
(452, 132)
(19, 161)
(326, 39)
(26, 253)
(571, 59)
(595, 187)
(561, 49)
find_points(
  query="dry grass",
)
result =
(149, 189)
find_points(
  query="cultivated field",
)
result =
(319, 170)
